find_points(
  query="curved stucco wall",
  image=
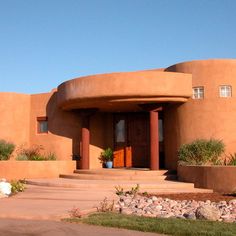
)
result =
(143, 86)
(211, 117)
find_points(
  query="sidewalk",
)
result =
(53, 203)
(49, 228)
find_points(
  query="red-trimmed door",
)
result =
(131, 140)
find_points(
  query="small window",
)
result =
(42, 125)
(225, 91)
(120, 131)
(198, 93)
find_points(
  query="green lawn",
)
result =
(157, 225)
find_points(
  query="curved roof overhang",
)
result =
(124, 91)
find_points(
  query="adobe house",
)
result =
(144, 115)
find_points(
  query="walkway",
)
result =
(49, 228)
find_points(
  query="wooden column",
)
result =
(154, 141)
(85, 136)
(85, 142)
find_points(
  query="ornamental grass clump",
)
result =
(6, 149)
(201, 152)
(34, 153)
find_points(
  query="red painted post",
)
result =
(85, 143)
(154, 141)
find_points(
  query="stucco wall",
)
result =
(15, 113)
(211, 117)
(35, 169)
(64, 127)
(218, 178)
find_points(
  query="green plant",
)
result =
(17, 186)
(106, 155)
(232, 160)
(6, 149)
(201, 151)
(134, 190)
(119, 190)
(51, 156)
(34, 153)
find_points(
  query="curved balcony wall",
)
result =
(123, 91)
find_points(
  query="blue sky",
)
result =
(46, 42)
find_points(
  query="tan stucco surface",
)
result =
(15, 115)
(113, 91)
(185, 119)
(12, 170)
(211, 117)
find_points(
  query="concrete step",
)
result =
(117, 177)
(124, 172)
(162, 186)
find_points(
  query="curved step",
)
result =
(117, 177)
(162, 186)
(123, 172)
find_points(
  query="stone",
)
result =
(5, 187)
(208, 212)
(232, 202)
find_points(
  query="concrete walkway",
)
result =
(49, 228)
(53, 203)
(53, 199)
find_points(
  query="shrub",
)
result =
(201, 152)
(232, 160)
(17, 186)
(6, 149)
(34, 153)
(106, 155)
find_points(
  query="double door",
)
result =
(131, 140)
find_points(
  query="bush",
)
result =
(34, 153)
(6, 149)
(106, 155)
(17, 186)
(201, 152)
(232, 160)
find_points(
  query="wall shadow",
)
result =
(68, 124)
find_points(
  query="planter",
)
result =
(109, 164)
(218, 178)
(35, 169)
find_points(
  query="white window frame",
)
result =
(225, 91)
(198, 92)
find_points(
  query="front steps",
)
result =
(161, 181)
(120, 174)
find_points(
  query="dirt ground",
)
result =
(214, 197)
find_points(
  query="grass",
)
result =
(157, 225)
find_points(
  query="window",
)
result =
(198, 93)
(42, 123)
(225, 91)
(120, 131)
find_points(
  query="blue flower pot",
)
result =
(109, 164)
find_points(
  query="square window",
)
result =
(225, 91)
(42, 123)
(198, 93)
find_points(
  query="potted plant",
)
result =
(106, 157)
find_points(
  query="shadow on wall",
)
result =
(68, 124)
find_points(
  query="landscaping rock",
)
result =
(5, 188)
(186, 209)
(208, 212)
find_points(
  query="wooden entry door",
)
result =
(131, 141)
